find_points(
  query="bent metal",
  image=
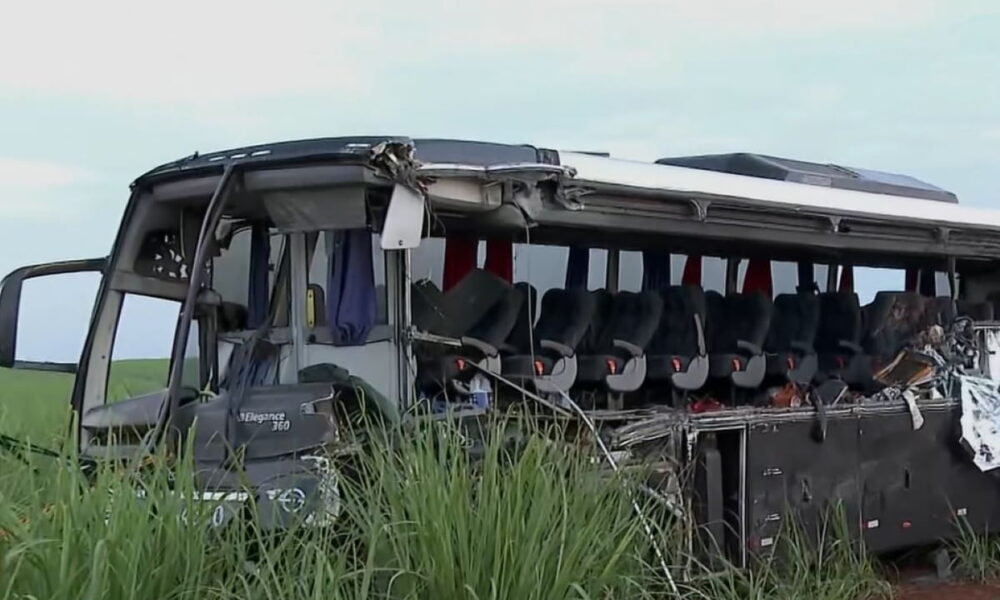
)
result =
(712, 315)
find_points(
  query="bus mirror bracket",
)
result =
(10, 302)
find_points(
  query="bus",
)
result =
(795, 335)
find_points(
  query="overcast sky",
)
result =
(94, 93)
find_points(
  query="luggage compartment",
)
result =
(794, 480)
(896, 486)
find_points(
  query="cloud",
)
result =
(180, 51)
(196, 52)
(37, 175)
(33, 188)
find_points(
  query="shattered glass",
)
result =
(981, 420)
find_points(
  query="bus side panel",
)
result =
(793, 480)
(905, 474)
(974, 496)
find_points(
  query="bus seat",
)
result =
(737, 329)
(481, 345)
(521, 334)
(591, 342)
(454, 312)
(947, 310)
(790, 340)
(994, 299)
(677, 352)
(978, 311)
(552, 364)
(838, 340)
(895, 318)
(616, 356)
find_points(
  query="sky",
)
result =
(93, 94)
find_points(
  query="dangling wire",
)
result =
(531, 305)
(647, 524)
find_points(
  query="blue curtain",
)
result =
(655, 270)
(257, 294)
(350, 289)
(577, 267)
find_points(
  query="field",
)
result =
(37, 404)
(420, 523)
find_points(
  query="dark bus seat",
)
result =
(838, 340)
(524, 323)
(947, 310)
(737, 329)
(978, 311)
(590, 343)
(481, 345)
(790, 340)
(453, 313)
(616, 355)
(551, 364)
(895, 318)
(677, 351)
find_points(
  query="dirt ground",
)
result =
(948, 591)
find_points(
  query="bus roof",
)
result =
(828, 175)
(753, 184)
(799, 197)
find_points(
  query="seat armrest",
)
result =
(851, 346)
(700, 329)
(802, 347)
(484, 347)
(628, 347)
(749, 347)
(561, 349)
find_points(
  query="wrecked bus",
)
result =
(703, 307)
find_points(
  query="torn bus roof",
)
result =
(469, 153)
(793, 187)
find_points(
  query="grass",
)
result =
(538, 523)
(36, 404)
(975, 556)
(527, 519)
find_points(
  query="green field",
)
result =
(36, 404)
(419, 522)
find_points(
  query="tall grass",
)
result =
(517, 516)
(823, 564)
(975, 556)
(535, 521)
(422, 520)
(424, 517)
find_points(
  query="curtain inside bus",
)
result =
(692, 270)
(350, 297)
(578, 267)
(758, 277)
(655, 270)
(257, 292)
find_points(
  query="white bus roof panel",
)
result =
(791, 195)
